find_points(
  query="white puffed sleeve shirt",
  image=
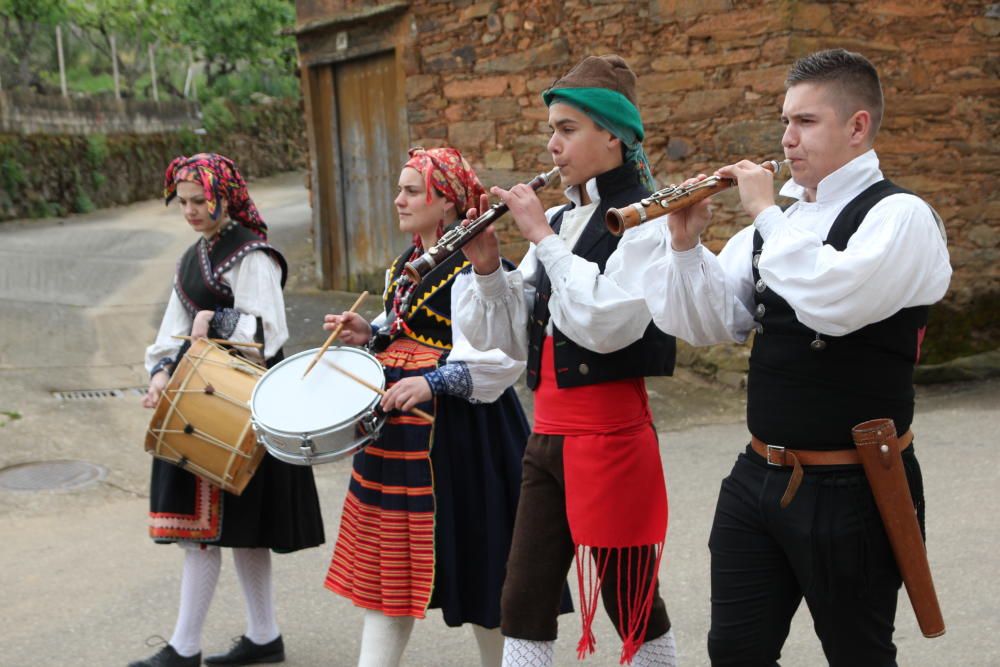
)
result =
(897, 258)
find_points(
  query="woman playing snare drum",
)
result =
(228, 285)
(429, 511)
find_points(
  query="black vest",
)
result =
(576, 366)
(199, 271)
(805, 390)
(429, 313)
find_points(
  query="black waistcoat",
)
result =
(199, 271)
(806, 391)
(429, 313)
(576, 366)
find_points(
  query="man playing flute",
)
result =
(837, 288)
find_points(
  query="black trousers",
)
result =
(828, 546)
(542, 551)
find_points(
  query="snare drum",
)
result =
(202, 420)
(324, 416)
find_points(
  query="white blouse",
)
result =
(590, 309)
(897, 258)
(256, 284)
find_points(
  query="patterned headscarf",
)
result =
(220, 179)
(445, 170)
(450, 174)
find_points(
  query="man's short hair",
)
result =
(851, 73)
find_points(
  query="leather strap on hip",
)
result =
(780, 457)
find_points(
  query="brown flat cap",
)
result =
(611, 72)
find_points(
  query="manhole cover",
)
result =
(42, 475)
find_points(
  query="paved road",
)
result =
(83, 586)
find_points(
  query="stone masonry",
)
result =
(711, 78)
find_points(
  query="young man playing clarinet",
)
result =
(593, 486)
(837, 288)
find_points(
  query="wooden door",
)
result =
(371, 130)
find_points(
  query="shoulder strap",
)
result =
(854, 213)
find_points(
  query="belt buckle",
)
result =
(775, 448)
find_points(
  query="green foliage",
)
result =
(11, 174)
(234, 31)
(49, 175)
(217, 116)
(237, 46)
(82, 203)
(97, 149)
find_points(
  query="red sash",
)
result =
(616, 497)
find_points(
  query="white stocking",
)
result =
(528, 653)
(659, 652)
(253, 567)
(383, 639)
(490, 645)
(198, 580)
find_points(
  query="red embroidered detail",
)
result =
(205, 525)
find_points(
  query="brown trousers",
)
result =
(542, 553)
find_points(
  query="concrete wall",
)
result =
(23, 112)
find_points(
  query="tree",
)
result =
(226, 32)
(134, 24)
(23, 22)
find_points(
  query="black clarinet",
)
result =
(458, 236)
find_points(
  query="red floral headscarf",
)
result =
(450, 174)
(220, 179)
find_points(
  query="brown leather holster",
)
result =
(879, 450)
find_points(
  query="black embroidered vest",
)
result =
(576, 366)
(199, 271)
(806, 391)
(429, 313)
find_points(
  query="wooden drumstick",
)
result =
(367, 385)
(223, 341)
(333, 335)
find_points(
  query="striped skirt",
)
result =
(430, 510)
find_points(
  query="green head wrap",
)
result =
(613, 112)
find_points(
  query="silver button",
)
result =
(756, 259)
(759, 328)
(584, 369)
(760, 310)
(818, 345)
(760, 286)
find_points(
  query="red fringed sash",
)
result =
(616, 497)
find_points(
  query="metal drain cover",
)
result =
(47, 475)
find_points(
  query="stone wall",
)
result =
(45, 175)
(711, 86)
(25, 112)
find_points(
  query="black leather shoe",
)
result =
(168, 657)
(245, 652)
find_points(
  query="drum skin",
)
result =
(202, 421)
(322, 417)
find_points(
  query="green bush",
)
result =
(82, 203)
(217, 117)
(97, 149)
(11, 174)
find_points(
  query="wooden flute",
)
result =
(458, 236)
(673, 198)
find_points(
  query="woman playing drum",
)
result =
(228, 285)
(430, 507)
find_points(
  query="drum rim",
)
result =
(327, 429)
